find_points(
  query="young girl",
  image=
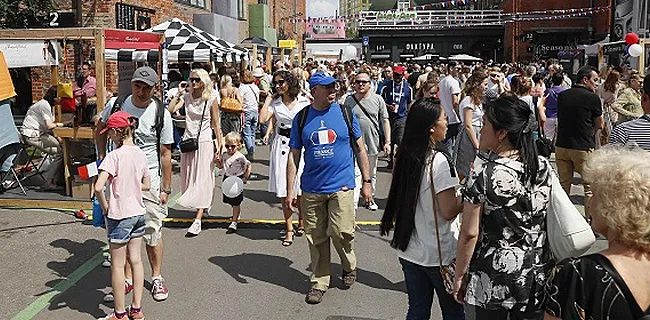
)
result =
(234, 164)
(127, 174)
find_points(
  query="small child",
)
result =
(125, 169)
(234, 164)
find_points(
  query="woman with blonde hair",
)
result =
(614, 283)
(230, 121)
(628, 103)
(250, 94)
(200, 152)
(608, 91)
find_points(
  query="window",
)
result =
(194, 3)
(403, 4)
(241, 9)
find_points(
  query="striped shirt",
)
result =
(634, 132)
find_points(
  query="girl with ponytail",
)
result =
(505, 202)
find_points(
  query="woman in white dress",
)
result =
(280, 109)
(197, 166)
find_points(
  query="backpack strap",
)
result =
(158, 126)
(302, 119)
(117, 105)
(347, 116)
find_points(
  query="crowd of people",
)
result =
(468, 185)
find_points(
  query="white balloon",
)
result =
(232, 187)
(349, 53)
(635, 50)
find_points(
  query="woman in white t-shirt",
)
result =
(250, 94)
(425, 238)
(36, 132)
(471, 115)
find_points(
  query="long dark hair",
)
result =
(293, 89)
(409, 167)
(50, 96)
(514, 115)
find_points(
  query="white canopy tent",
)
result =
(464, 57)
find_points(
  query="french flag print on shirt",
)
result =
(322, 137)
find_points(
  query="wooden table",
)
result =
(67, 134)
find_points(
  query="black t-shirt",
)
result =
(581, 288)
(413, 78)
(577, 109)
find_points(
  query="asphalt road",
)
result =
(51, 267)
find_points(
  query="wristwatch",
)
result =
(367, 181)
(168, 191)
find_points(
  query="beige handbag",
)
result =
(448, 272)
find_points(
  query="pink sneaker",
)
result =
(159, 290)
(136, 315)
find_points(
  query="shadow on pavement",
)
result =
(277, 270)
(271, 269)
(84, 296)
(365, 277)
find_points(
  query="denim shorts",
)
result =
(121, 231)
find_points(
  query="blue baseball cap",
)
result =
(320, 79)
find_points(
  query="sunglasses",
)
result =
(195, 80)
(278, 83)
(361, 82)
(494, 75)
(230, 146)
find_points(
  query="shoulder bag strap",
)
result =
(365, 112)
(625, 290)
(205, 106)
(435, 209)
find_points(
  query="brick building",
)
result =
(544, 39)
(137, 15)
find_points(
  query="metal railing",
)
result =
(429, 19)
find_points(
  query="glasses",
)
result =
(361, 82)
(278, 83)
(230, 146)
(195, 80)
(494, 75)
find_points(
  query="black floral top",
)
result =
(511, 258)
(581, 288)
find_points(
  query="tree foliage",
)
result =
(25, 13)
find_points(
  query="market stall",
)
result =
(117, 45)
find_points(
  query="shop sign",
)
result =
(615, 48)
(404, 15)
(544, 49)
(30, 53)
(417, 46)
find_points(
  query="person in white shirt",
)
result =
(449, 94)
(36, 132)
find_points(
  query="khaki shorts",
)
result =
(153, 220)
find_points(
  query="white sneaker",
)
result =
(372, 206)
(232, 228)
(195, 228)
(107, 262)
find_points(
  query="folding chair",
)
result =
(10, 149)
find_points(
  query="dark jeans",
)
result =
(506, 314)
(421, 282)
(397, 132)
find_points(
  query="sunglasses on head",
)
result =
(196, 80)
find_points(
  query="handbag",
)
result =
(448, 272)
(543, 144)
(568, 233)
(231, 104)
(192, 144)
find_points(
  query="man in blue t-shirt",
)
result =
(327, 182)
(398, 97)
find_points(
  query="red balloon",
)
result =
(631, 38)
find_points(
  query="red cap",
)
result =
(399, 69)
(119, 119)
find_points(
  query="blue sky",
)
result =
(322, 8)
